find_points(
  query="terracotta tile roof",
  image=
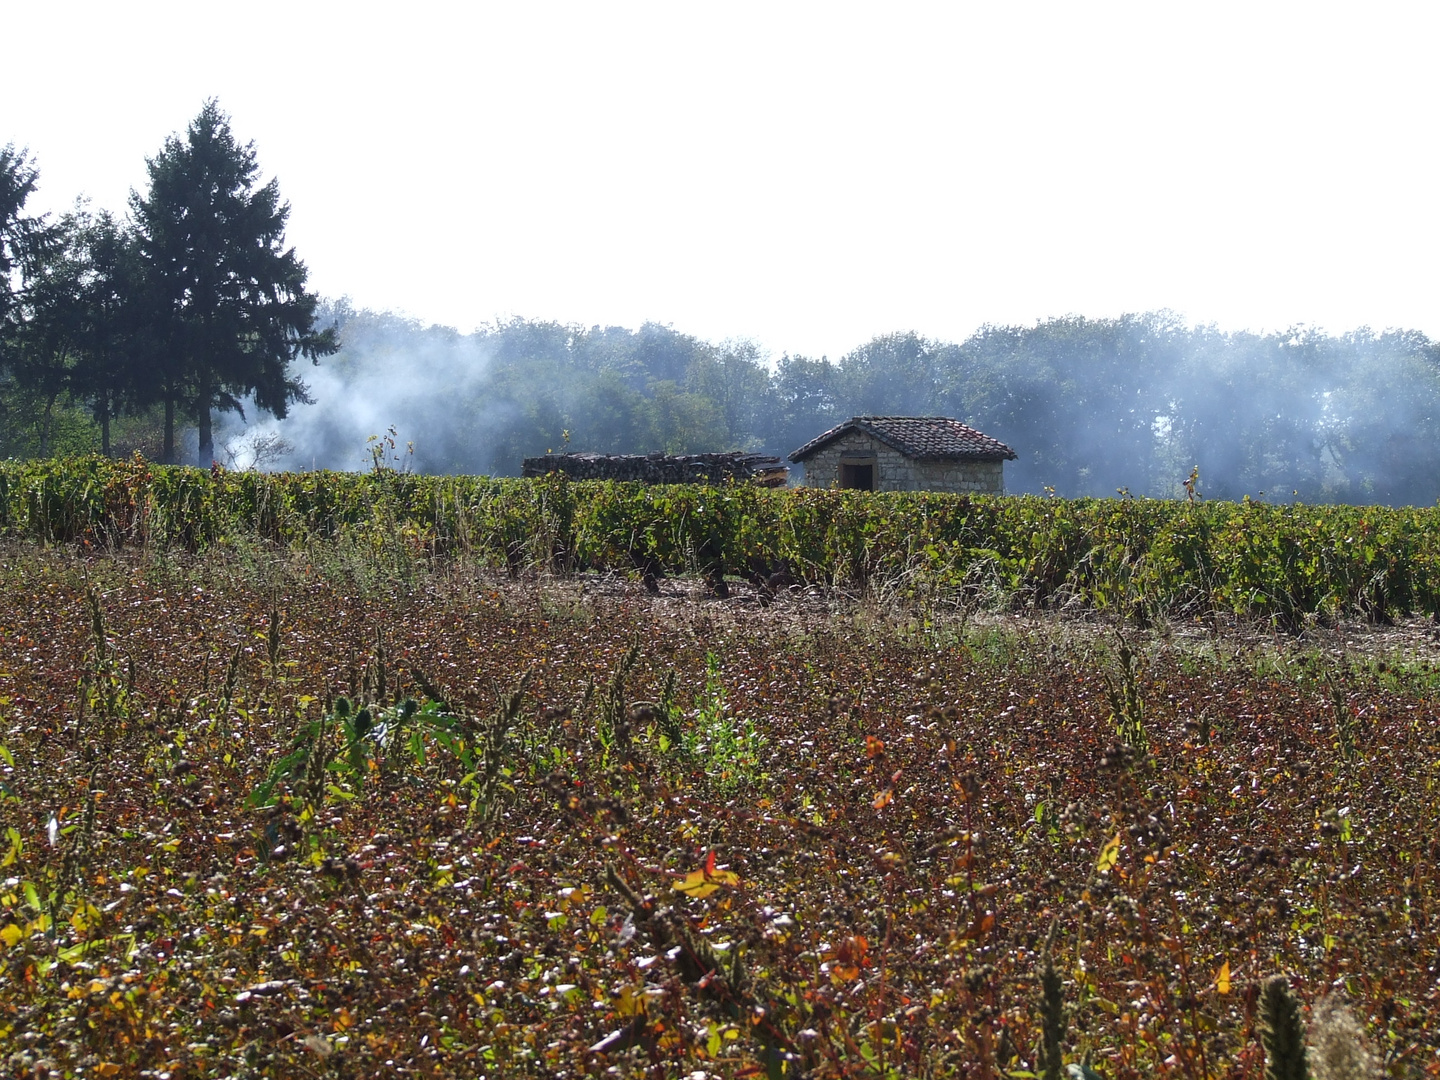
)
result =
(926, 438)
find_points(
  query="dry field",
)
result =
(266, 816)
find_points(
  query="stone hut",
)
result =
(905, 453)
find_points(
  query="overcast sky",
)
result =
(805, 175)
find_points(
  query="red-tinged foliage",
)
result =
(1283, 819)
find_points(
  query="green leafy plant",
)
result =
(1053, 1021)
(1127, 704)
(491, 764)
(339, 752)
(614, 725)
(1282, 1031)
(727, 747)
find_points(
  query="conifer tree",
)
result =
(232, 310)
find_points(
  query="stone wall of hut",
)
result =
(896, 472)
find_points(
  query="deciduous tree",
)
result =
(23, 237)
(114, 337)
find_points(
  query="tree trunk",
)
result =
(45, 427)
(105, 424)
(169, 452)
(202, 421)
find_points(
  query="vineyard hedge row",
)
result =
(1131, 555)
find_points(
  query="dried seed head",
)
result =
(1338, 1049)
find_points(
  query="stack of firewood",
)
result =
(663, 468)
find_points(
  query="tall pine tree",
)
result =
(232, 311)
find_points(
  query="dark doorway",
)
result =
(857, 477)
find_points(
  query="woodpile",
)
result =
(663, 468)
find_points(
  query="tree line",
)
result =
(189, 305)
(1091, 406)
(191, 313)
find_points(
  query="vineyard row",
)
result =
(1133, 556)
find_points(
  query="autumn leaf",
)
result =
(883, 799)
(697, 885)
(1109, 854)
(1222, 978)
(850, 956)
(707, 880)
(980, 927)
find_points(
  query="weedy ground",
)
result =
(270, 815)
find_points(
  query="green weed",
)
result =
(727, 747)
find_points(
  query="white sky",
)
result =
(806, 175)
